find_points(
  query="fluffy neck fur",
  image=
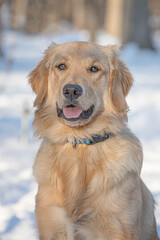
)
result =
(47, 126)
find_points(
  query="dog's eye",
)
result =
(61, 66)
(94, 69)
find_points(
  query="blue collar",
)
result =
(90, 141)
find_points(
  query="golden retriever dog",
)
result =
(89, 163)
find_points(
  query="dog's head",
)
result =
(80, 82)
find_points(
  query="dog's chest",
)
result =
(78, 166)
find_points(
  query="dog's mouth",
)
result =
(74, 113)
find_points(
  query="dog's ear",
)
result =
(38, 78)
(120, 83)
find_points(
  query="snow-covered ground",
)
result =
(17, 186)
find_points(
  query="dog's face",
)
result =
(80, 74)
(81, 81)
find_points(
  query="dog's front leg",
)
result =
(52, 221)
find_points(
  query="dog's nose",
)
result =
(72, 91)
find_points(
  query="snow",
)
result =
(17, 185)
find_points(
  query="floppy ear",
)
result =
(38, 78)
(120, 83)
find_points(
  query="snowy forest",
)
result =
(27, 27)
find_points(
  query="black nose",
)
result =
(72, 91)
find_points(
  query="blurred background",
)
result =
(27, 27)
(125, 19)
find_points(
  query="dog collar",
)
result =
(90, 141)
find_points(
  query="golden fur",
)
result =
(88, 192)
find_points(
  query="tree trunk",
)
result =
(128, 20)
(1, 52)
(78, 13)
(95, 12)
(114, 17)
(43, 14)
(33, 19)
(18, 13)
(135, 23)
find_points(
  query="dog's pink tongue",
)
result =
(71, 112)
